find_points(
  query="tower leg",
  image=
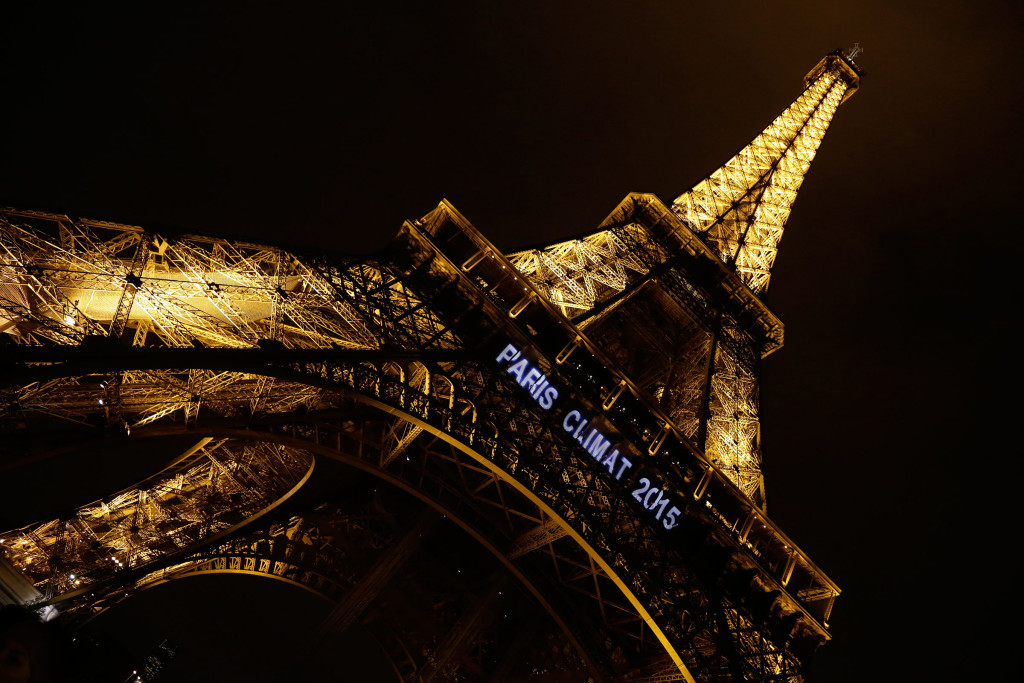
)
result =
(461, 636)
(348, 610)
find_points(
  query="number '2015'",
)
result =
(655, 500)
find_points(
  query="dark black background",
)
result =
(891, 417)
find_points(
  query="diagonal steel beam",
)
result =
(538, 537)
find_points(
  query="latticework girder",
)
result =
(575, 275)
(203, 495)
(742, 208)
(192, 290)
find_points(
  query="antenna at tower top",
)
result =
(852, 52)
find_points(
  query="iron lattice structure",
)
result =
(587, 411)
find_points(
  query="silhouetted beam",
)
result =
(363, 593)
(14, 588)
(539, 536)
(461, 637)
(403, 440)
(99, 355)
(660, 670)
(512, 655)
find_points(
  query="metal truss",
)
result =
(308, 551)
(742, 208)
(329, 552)
(209, 490)
(650, 327)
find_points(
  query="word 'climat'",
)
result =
(595, 443)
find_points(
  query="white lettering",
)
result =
(508, 353)
(598, 448)
(582, 430)
(547, 399)
(531, 378)
(625, 464)
(610, 461)
(517, 370)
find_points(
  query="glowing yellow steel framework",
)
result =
(664, 299)
(740, 212)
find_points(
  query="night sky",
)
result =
(890, 420)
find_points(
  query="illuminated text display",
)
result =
(583, 431)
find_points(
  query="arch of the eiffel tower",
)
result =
(585, 412)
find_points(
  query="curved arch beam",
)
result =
(109, 358)
(206, 572)
(371, 468)
(389, 478)
(142, 570)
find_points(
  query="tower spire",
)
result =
(741, 209)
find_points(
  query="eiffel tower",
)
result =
(583, 415)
